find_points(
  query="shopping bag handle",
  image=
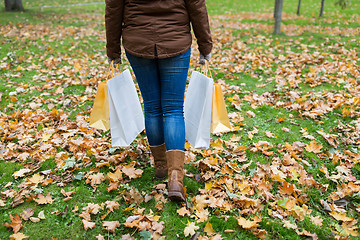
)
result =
(113, 69)
(206, 70)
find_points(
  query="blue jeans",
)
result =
(162, 84)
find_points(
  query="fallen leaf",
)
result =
(111, 205)
(110, 226)
(183, 211)
(247, 224)
(18, 236)
(340, 216)
(27, 213)
(208, 229)
(313, 147)
(190, 229)
(88, 225)
(15, 223)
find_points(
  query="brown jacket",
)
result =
(156, 28)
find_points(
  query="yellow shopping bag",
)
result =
(219, 116)
(100, 116)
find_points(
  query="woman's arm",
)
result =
(200, 24)
(113, 24)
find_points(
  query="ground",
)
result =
(288, 169)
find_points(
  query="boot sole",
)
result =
(160, 178)
(176, 196)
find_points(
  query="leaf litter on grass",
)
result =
(311, 83)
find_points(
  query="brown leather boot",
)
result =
(176, 174)
(160, 162)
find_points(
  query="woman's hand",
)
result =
(205, 58)
(115, 61)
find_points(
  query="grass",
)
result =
(75, 33)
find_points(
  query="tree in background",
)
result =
(298, 9)
(322, 8)
(277, 16)
(13, 5)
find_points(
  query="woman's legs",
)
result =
(147, 76)
(173, 74)
(162, 84)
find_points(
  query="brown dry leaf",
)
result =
(341, 216)
(15, 223)
(285, 129)
(34, 219)
(110, 226)
(190, 229)
(92, 208)
(41, 199)
(208, 229)
(126, 237)
(159, 205)
(250, 114)
(158, 227)
(100, 237)
(66, 194)
(88, 225)
(280, 119)
(21, 173)
(287, 188)
(247, 224)
(18, 236)
(111, 205)
(131, 172)
(183, 211)
(313, 147)
(112, 186)
(269, 134)
(317, 220)
(289, 225)
(114, 177)
(95, 179)
(36, 179)
(27, 213)
(202, 215)
(85, 215)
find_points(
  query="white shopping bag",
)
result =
(197, 110)
(126, 116)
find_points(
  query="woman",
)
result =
(156, 35)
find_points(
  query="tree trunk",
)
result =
(13, 5)
(298, 9)
(322, 8)
(277, 16)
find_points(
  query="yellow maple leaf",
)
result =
(18, 236)
(110, 226)
(209, 229)
(183, 211)
(341, 216)
(88, 225)
(190, 229)
(44, 199)
(35, 179)
(313, 147)
(247, 224)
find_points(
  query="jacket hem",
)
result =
(159, 56)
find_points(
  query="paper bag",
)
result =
(126, 115)
(219, 117)
(197, 110)
(99, 116)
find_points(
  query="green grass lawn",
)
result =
(293, 102)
